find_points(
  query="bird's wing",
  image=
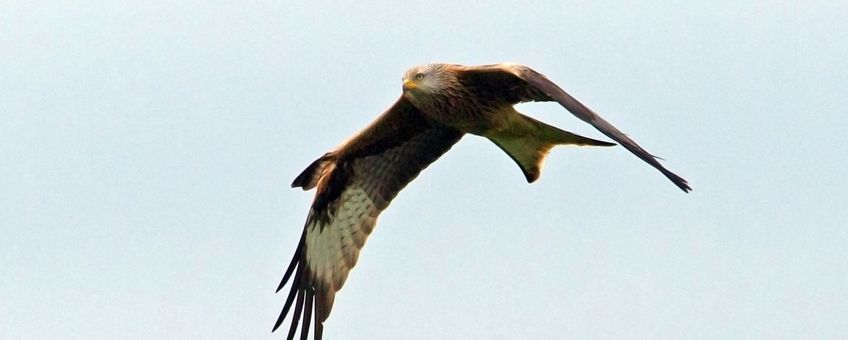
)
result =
(514, 83)
(354, 184)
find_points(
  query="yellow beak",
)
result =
(408, 85)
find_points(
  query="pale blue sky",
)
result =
(147, 150)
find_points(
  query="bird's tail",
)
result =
(528, 141)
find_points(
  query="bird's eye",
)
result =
(419, 76)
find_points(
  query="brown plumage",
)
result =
(358, 180)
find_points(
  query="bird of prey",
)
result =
(357, 180)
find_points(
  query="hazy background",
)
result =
(146, 151)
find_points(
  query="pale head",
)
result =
(426, 79)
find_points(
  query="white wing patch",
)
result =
(355, 184)
(332, 249)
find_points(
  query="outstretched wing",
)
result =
(354, 184)
(517, 83)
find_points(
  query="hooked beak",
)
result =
(408, 85)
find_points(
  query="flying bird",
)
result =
(357, 180)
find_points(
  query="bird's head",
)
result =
(425, 80)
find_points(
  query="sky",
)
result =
(146, 152)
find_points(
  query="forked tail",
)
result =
(528, 142)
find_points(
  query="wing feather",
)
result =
(357, 182)
(518, 83)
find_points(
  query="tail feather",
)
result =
(528, 142)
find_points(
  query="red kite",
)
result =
(440, 104)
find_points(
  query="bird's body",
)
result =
(457, 102)
(440, 104)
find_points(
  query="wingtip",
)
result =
(281, 285)
(277, 323)
(679, 182)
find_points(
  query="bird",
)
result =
(357, 180)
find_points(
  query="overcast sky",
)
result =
(146, 152)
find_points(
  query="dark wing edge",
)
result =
(380, 161)
(587, 115)
(299, 290)
(548, 90)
